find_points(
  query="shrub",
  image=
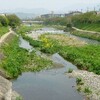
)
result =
(14, 21)
(87, 90)
(70, 70)
(3, 21)
(79, 81)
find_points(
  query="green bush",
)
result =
(70, 70)
(79, 81)
(94, 36)
(3, 21)
(87, 90)
(3, 30)
(86, 57)
(14, 21)
(15, 58)
(18, 59)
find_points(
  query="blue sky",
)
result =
(62, 5)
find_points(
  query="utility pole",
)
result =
(81, 10)
(87, 9)
(94, 9)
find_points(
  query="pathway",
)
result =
(77, 29)
(5, 36)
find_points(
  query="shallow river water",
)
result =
(51, 84)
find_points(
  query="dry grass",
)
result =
(65, 40)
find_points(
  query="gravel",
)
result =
(90, 80)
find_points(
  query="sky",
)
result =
(52, 5)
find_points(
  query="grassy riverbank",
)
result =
(25, 29)
(16, 60)
(90, 27)
(59, 27)
(83, 55)
(89, 21)
(94, 36)
(3, 30)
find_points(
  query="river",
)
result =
(51, 84)
(55, 31)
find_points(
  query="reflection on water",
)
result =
(24, 44)
(50, 84)
(55, 31)
(48, 30)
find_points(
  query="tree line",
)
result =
(9, 20)
(86, 18)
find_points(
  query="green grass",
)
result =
(79, 81)
(89, 27)
(94, 36)
(59, 27)
(87, 90)
(86, 57)
(23, 29)
(17, 60)
(19, 98)
(3, 30)
(70, 70)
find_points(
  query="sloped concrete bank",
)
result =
(6, 92)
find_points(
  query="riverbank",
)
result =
(89, 84)
(84, 55)
(6, 37)
(3, 40)
(89, 26)
(17, 60)
(86, 34)
(3, 30)
(6, 92)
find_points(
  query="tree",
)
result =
(14, 21)
(3, 20)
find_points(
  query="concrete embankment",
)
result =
(6, 92)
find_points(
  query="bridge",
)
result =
(32, 22)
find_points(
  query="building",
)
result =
(75, 13)
(52, 15)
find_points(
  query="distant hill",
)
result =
(26, 13)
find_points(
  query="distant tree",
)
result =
(14, 21)
(3, 21)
